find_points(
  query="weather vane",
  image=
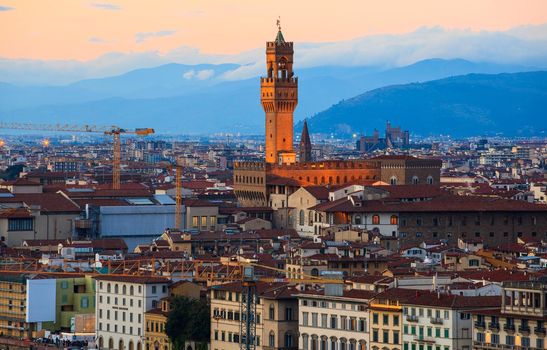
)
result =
(279, 23)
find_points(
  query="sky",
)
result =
(85, 30)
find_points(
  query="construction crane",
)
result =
(178, 191)
(113, 131)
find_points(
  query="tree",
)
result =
(188, 320)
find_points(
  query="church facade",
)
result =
(283, 171)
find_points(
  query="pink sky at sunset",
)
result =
(83, 30)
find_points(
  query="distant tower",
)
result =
(305, 144)
(279, 97)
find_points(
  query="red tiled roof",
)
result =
(319, 192)
(48, 202)
(133, 279)
(445, 203)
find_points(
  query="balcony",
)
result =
(524, 329)
(509, 327)
(494, 326)
(540, 331)
(436, 320)
(480, 325)
(422, 339)
(412, 318)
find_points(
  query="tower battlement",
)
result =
(277, 45)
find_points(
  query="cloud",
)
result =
(142, 36)
(6, 8)
(523, 46)
(96, 40)
(106, 6)
(203, 74)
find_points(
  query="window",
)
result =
(272, 339)
(395, 320)
(525, 342)
(305, 318)
(64, 285)
(395, 337)
(385, 319)
(376, 219)
(302, 219)
(385, 337)
(540, 343)
(204, 222)
(393, 220)
(333, 321)
(21, 224)
(375, 335)
(509, 340)
(84, 303)
(446, 333)
(362, 325)
(480, 337)
(154, 289)
(495, 338)
(288, 314)
(271, 313)
(195, 221)
(374, 318)
(288, 340)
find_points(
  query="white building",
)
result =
(334, 320)
(433, 321)
(121, 302)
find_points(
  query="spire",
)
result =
(305, 144)
(279, 39)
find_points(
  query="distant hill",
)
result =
(474, 104)
(172, 97)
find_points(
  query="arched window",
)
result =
(393, 220)
(124, 290)
(116, 291)
(305, 340)
(108, 288)
(376, 219)
(272, 339)
(415, 180)
(288, 340)
(393, 180)
(430, 180)
(357, 219)
(131, 290)
(301, 220)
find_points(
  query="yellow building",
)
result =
(156, 319)
(64, 297)
(13, 306)
(385, 318)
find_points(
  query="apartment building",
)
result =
(276, 316)
(519, 323)
(334, 319)
(32, 303)
(121, 302)
(435, 321)
(386, 314)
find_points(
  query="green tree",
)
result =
(188, 320)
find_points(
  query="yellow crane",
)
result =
(112, 130)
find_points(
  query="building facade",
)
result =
(121, 303)
(520, 323)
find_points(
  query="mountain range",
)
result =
(511, 104)
(199, 99)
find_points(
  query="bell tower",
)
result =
(279, 97)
